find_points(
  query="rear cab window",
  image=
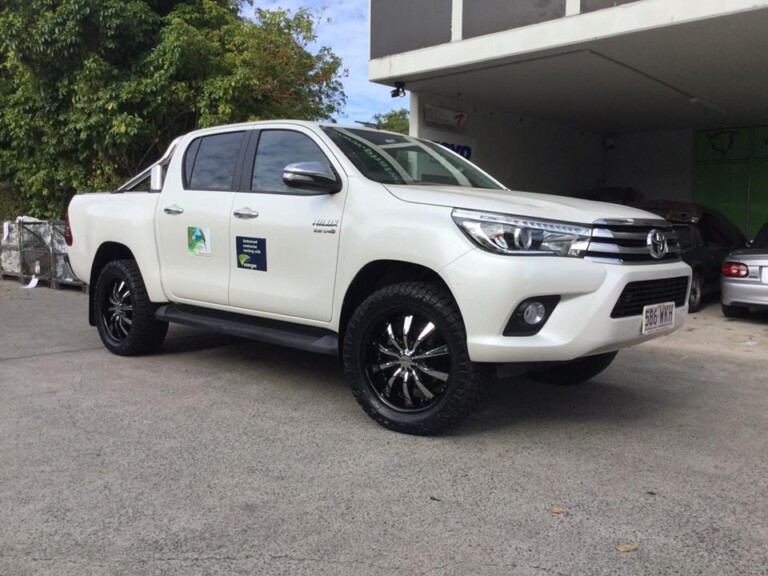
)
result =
(211, 162)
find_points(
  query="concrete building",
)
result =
(669, 97)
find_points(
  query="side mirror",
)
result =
(156, 178)
(312, 176)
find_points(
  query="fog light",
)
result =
(531, 315)
(534, 313)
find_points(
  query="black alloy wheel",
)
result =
(405, 356)
(408, 361)
(117, 314)
(125, 317)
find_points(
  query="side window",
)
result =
(277, 149)
(189, 161)
(211, 161)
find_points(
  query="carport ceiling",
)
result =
(707, 74)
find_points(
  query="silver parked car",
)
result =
(744, 280)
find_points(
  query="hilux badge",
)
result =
(657, 244)
(324, 226)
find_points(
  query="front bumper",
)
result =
(488, 287)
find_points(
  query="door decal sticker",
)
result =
(251, 253)
(198, 241)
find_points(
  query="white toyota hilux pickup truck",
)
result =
(421, 271)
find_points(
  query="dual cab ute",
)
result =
(417, 268)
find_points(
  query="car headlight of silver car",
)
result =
(519, 235)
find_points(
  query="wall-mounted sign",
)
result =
(443, 118)
(461, 149)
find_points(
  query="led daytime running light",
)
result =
(546, 225)
(514, 235)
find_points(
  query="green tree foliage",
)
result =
(91, 91)
(394, 121)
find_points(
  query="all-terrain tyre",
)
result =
(125, 318)
(405, 356)
(734, 311)
(575, 371)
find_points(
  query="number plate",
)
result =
(658, 318)
(765, 275)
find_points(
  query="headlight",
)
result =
(518, 235)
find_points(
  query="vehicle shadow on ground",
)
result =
(304, 366)
(522, 401)
(754, 318)
(712, 306)
(196, 342)
(511, 402)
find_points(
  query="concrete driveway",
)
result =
(222, 456)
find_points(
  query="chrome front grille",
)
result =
(630, 241)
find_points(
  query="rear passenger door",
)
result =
(285, 241)
(193, 219)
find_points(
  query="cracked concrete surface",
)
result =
(223, 456)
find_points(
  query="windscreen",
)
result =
(397, 159)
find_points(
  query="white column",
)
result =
(414, 118)
(457, 20)
(572, 7)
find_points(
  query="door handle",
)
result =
(173, 209)
(246, 213)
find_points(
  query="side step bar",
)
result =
(298, 336)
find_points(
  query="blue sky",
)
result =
(344, 28)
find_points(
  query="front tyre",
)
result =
(405, 356)
(125, 318)
(696, 297)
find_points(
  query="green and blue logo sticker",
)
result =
(251, 253)
(198, 241)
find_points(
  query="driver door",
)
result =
(285, 240)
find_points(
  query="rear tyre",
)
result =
(125, 318)
(575, 371)
(734, 311)
(405, 356)
(696, 298)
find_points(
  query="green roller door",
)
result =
(731, 174)
(724, 188)
(758, 213)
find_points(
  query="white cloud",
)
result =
(344, 28)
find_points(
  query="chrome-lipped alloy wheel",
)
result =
(408, 362)
(118, 310)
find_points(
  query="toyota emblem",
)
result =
(657, 244)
